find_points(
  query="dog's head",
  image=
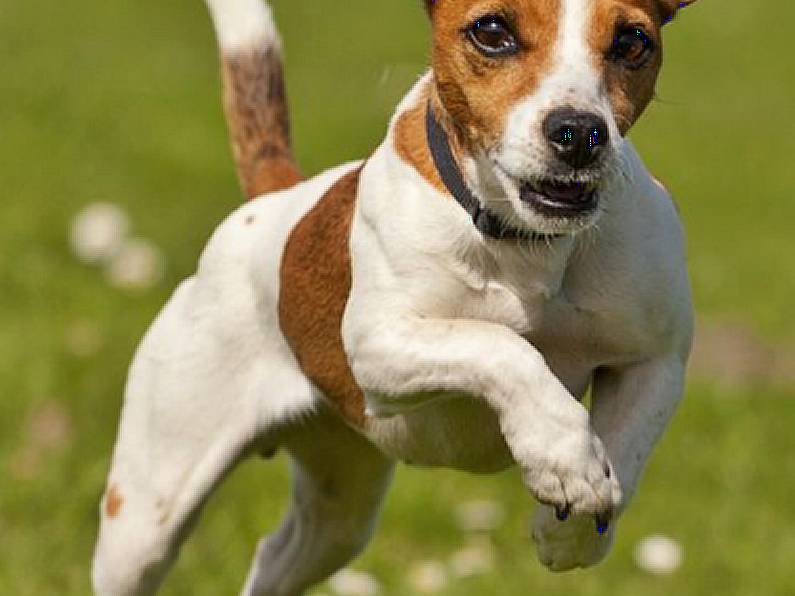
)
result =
(540, 93)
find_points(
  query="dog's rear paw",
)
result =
(574, 476)
(566, 545)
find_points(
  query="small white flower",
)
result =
(427, 577)
(138, 265)
(348, 582)
(659, 555)
(98, 232)
(476, 558)
(479, 516)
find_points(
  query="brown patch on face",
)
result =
(478, 92)
(315, 285)
(630, 90)
(255, 101)
(411, 142)
(113, 502)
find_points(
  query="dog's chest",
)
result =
(543, 306)
(571, 328)
(569, 337)
(578, 320)
(461, 431)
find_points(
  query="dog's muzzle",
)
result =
(578, 139)
(554, 199)
(578, 142)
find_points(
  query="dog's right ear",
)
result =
(670, 8)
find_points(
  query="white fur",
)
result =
(243, 24)
(434, 306)
(472, 354)
(212, 377)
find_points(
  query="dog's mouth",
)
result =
(560, 199)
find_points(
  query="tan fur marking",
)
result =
(315, 283)
(479, 92)
(113, 502)
(411, 142)
(256, 110)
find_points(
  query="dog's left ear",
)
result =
(670, 8)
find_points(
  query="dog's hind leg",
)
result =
(339, 480)
(208, 383)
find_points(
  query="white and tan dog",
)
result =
(448, 302)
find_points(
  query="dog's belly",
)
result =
(458, 431)
(453, 431)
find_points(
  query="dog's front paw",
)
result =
(572, 474)
(565, 545)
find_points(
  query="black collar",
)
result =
(488, 223)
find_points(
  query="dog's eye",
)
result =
(632, 46)
(492, 36)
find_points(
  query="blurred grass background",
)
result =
(118, 101)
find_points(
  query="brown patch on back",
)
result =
(113, 502)
(479, 92)
(315, 283)
(255, 101)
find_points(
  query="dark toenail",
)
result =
(607, 471)
(562, 513)
(602, 525)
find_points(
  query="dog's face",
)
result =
(543, 92)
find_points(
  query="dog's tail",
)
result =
(254, 95)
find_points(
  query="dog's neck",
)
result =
(426, 138)
(537, 261)
(487, 222)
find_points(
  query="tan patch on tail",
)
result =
(113, 502)
(255, 101)
(315, 285)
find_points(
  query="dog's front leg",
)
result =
(548, 432)
(631, 408)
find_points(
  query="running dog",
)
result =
(447, 302)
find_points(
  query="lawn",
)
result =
(119, 101)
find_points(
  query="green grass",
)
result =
(119, 101)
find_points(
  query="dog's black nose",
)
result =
(577, 138)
